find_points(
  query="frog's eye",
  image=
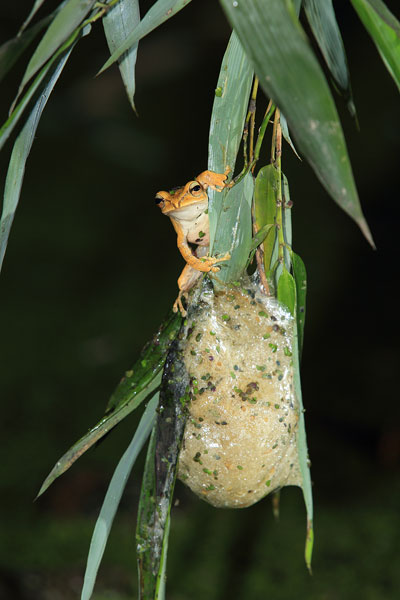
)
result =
(195, 187)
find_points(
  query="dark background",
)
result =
(89, 274)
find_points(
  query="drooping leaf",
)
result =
(384, 29)
(322, 20)
(227, 120)
(303, 459)
(11, 50)
(65, 22)
(286, 291)
(234, 230)
(286, 135)
(21, 149)
(300, 277)
(113, 497)
(13, 119)
(137, 385)
(159, 479)
(97, 432)
(32, 13)
(290, 74)
(160, 12)
(119, 22)
(265, 207)
(150, 361)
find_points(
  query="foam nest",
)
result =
(240, 437)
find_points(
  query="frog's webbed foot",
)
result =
(209, 262)
(178, 303)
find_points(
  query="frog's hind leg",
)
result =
(186, 281)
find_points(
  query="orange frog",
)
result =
(187, 207)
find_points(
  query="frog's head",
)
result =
(193, 193)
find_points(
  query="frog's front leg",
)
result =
(205, 263)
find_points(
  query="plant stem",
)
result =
(276, 154)
(249, 166)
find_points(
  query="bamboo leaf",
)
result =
(150, 361)
(384, 29)
(137, 385)
(286, 291)
(300, 277)
(159, 478)
(65, 22)
(13, 119)
(119, 22)
(290, 74)
(286, 135)
(322, 20)
(20, 153)
(97, 432)
(227, 120)
(160, 12)
(234, 230)
(265, 192)
(113, 497)
(303, 459)
(34, 9)
(11, 50)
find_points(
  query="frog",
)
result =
(187, 208)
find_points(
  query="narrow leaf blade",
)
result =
(19, 155)
(265, 207)
(290, 74)
(286, 291)
(384, 29)
(119, 22)
(160, 12)
(322, 20)
(65, 22)
(300, 277)
(11, 51)
(140, 382)
(227, 121)
(159, 479)
(113, 497)
(97, 432)
(234, 230)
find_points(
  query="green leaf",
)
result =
(227, 120)
(113, 497)
(300, 277)
(265, 193)
(303, 459)
(97, 432)
(286, 135)
(322, 20)
(119, 22)
(286, 291)
(20, 153)
(384, 29)
(159, 478)
(150, 362)
(143, 379)
(160, 12)
(290, 74)
(33, 11)
(13, 119)
(11, 51)
(234, 230)
(65, 22)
